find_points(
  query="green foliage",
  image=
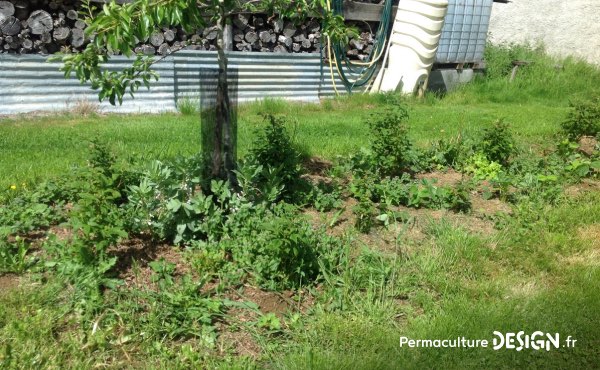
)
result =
(364, 212)
(272, 170)
(163, 272)
(325, 197)
(390, 144)
(13, 256)
(497, 143)
(188, 107)
(169, 204)
(448, 152)
(482, 168)
(583, 118)
(278, 248)
(117, 28)
(179, 311)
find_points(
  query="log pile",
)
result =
(50, 26)
(40, 26)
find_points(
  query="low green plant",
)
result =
(277, 247)
(169, 204)
(163, 272)
(481, 167)
(325, 197)
(13, 256)
(583, 119)
(179, 311)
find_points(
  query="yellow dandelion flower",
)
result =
(13, 187)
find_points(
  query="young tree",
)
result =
(118, 28)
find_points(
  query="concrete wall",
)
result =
(566, 27)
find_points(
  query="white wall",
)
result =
(566, 27)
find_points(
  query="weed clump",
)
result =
(583, 119)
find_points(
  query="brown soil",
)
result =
(413, 230)
(488, 207)
(8, 283)
(317, 166)
(141, 251)
(236, 333)
(587, 145)
(62, 233)
(448, 178)
(583, 187)
(239, 342)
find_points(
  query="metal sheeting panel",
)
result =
(29, 83)
(260, 75)
(465, 31)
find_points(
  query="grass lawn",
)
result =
(524, 256)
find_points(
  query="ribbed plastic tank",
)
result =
(413, 45)
(465, 31)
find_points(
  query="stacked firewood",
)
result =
(269, 34)
(40, 26)
(50, 26)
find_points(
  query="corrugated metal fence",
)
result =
(28, 83)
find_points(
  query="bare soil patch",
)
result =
(585, 186)
(140, 252)
(488, 207)
(8, 283)
(317, 166)
(447, 178)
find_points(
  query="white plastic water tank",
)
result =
(413, 45)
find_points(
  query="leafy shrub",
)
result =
(325, 197)
(449, 152)
(169, 204)
(274, 162)
(277, 247)
(364, 212)
(390, 144)
(497, 143)
(583, 119)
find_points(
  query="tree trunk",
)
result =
(223, 157)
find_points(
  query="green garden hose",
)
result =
(358, 74)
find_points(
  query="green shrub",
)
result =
(169, 204)
(390, 144)
(364, 212)
(274, 162)
(583, 119)
(276, 247)
(497, 143)
(481, 167)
